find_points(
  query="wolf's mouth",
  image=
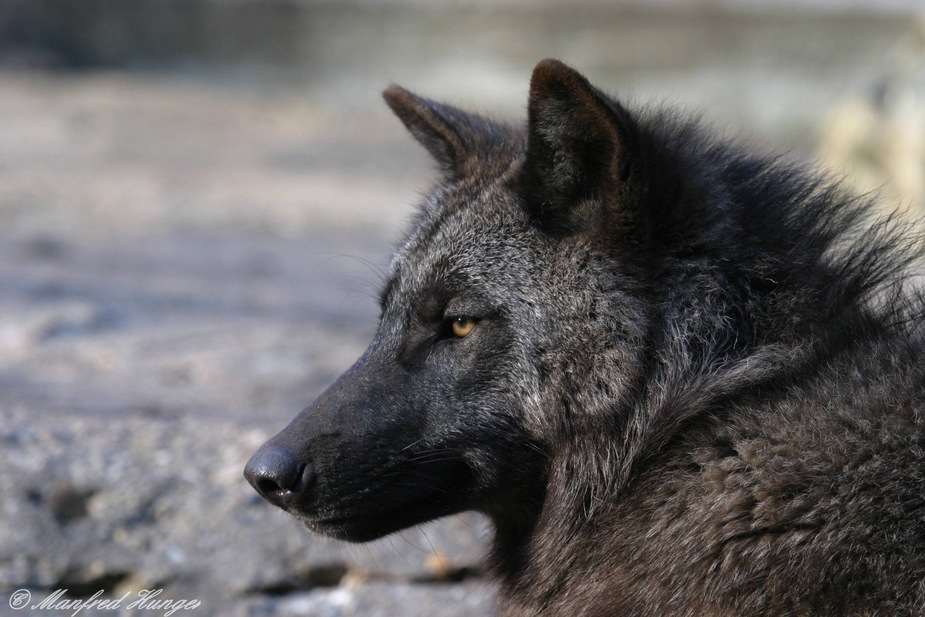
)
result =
(370, 525)
(362, 528)
(323, 526)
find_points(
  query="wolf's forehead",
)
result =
(454, 245)
(456, 221)
(461, 235)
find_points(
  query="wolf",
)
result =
(679, 377)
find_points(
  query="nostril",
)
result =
(265, 486)
(274, 472)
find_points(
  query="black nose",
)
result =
(275, 473)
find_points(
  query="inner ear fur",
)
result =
(578, 151)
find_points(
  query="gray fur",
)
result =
(695, 385)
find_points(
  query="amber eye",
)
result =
(462, 326)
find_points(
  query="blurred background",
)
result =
(198, 197)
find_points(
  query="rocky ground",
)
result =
(183, 267)
(187, 258)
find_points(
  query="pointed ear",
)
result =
(458, 140)
(578, 151)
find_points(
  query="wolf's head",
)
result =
(505, 325)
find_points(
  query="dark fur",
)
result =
(696, 384)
